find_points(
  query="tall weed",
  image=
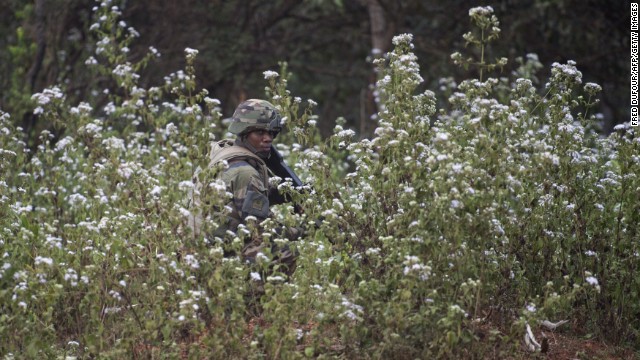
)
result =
(503, 207)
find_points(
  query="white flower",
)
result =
(43, 260)
(192, 261)
(346, 133)
(190, 53)
(154, 51)
(46, 95)
(255, 276)
(91, 61)
(71, 276)
(402, 38)
(262, 257)
(372, 251)
(212, 102)
(592, 88)
(186, 185)
(592, 280)
(64, 143)
(76, 199)
(156, 190)
(456, 309)
(481, 11)
(113, 143)
(122, 70)
(186, 213)
(441, 136)
(270, 74)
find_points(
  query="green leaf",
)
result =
(309, 351)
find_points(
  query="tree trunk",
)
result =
(380, 40)
(29, 119)
(40, 42)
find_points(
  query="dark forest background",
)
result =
(326, 43)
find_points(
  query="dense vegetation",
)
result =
(328, 45)
(445, 234)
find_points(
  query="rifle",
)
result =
(276, 164)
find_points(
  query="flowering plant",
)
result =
(506, 208)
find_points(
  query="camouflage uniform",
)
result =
(247, 178)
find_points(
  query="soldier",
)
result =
(255, 123)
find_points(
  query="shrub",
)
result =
(504, 208)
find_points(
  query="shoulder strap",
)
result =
(225, 150)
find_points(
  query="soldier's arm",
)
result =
(249, 194)
(250, 197)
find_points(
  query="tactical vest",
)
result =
(225, 150)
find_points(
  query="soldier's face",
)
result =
(260, 140)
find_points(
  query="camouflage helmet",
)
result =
(255, 114)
